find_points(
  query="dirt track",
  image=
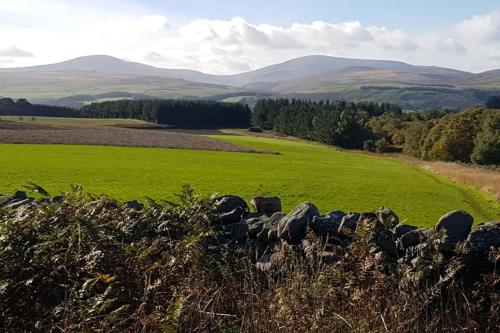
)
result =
(14, 132)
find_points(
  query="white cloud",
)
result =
(15, 52)
(57, 30)
(483, 28)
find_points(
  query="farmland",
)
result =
(301, 171)
(103, 132)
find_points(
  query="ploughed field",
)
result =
(103, 132)
(301, 171)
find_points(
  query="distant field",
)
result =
(105, 132)
(329, 178)
(60, 121)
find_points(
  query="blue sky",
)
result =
(234, 36)
(414, 16)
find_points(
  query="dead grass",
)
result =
(475, 176)
(94, 265)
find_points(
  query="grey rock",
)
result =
(258, 247)
(482, 238)
(385, 241)
(255, 226)
(19, 195)
(292, 227)
(269, 232)
(387, 217)
(43, 201)
(236, 231)
(327, 225)
(402, 229)
(348, 224)
(229, 209)
(457, 225)
(265, 263)
(266, 205)
(134, 204)
(370, 222)
(57, 199)
(18, 203)
(410, 239)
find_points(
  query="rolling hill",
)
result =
(95, 78)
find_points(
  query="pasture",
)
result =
(329, 178)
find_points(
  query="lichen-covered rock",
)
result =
(229, 209)
(292, 227)
(327, 225)
(457, 225)
(387, 217)
(269, 231)
(266, 205)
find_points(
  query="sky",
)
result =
(226, 37)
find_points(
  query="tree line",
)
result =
(337, 123)
(472, 135)
(469, 136)
(21, 107)
(174, 113)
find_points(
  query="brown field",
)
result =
(475, 176)
(36, 133)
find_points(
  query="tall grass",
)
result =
(89, 264)
(475, 176)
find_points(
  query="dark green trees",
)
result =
(487, 142)
(336, 123)
(174, 113)
(21, 107)
(493, 102)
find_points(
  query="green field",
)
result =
(329, 178)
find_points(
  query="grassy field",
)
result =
(329, 178)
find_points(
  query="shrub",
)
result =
(255, 130)
(369, 145)
(382, 145)
(91, 264)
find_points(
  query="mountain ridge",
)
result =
(315, 76)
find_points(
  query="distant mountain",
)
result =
(96, 78)
(92, 78)
(320, 65)
(113, 66)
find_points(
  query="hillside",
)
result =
(77, 87)
(95, 78)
